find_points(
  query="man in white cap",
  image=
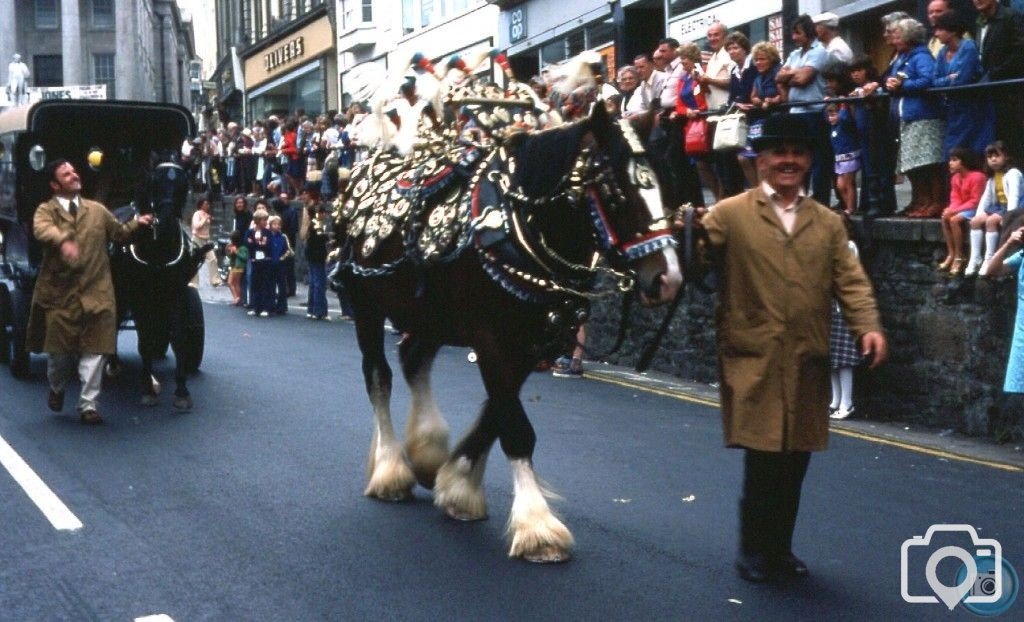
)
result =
(17, 80)
(826, 26)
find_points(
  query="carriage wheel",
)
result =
(193, 331)
(12, 338)
(18, 355)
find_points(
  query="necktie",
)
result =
(73, 209)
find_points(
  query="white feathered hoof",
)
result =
(391, 479)
(426, 454)
(458, 491)
(545, 541)
(183, 402)
(149, 400)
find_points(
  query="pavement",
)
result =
(941, 443)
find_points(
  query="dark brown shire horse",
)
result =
(538, 210)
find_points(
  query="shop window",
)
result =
(575, 43)
(103, 72)
(600, 34)
(678, 7)
(553, 52)
(46, 16)
(103, 14)
(48, 70)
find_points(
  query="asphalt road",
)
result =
(249, 507)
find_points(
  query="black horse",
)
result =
(151, 279)
(540, 209)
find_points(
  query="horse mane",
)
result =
(544, 158)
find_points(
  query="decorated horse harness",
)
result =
(455, 189)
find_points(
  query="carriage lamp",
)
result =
(37, 158)
(95, 158)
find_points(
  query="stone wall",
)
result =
(949, 338)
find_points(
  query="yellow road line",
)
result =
(873, 438)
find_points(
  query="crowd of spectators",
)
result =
(275, 156)
(887, 124)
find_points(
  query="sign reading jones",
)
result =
(284, 54)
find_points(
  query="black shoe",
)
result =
(790, 565)
(55, 400)
(753, 567)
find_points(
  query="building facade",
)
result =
(378, 38)
(273, 57)
(137, 49)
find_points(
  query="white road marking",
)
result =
(53, 508)
(160, 617)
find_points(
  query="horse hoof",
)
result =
(149, 400)
(183, 402)
(463, 516)
(548, 555)
(157, 387)
(391, 496)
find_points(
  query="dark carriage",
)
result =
(111, 144)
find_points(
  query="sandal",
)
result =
(946, 263)
(957, 268)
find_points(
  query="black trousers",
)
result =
(771, 499)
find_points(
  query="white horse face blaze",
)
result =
(672, 277)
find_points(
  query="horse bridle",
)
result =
(592, 180)
(156, 222)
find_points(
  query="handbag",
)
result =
(696, 139)
(731, 131)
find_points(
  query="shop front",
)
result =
(294, 71)
(760, 20)
(538, 33)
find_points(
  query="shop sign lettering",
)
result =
(284, 54)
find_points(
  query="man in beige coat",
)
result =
(73, 316)
(784, 256)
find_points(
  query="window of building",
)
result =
(46, 14)
(102, 13)
(553, 52)
(600, 34)
(408, 17)
(575, 43)
(367, 11)
(103, 71)
(426, 12)
(48, 70)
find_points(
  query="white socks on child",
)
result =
(991, 241)
(842, 393)
(977, 237)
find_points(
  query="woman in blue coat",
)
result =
(922, 129)
(970, 117)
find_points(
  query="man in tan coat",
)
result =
(73, 316)
(784, 256)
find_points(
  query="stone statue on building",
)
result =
(17, 81)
